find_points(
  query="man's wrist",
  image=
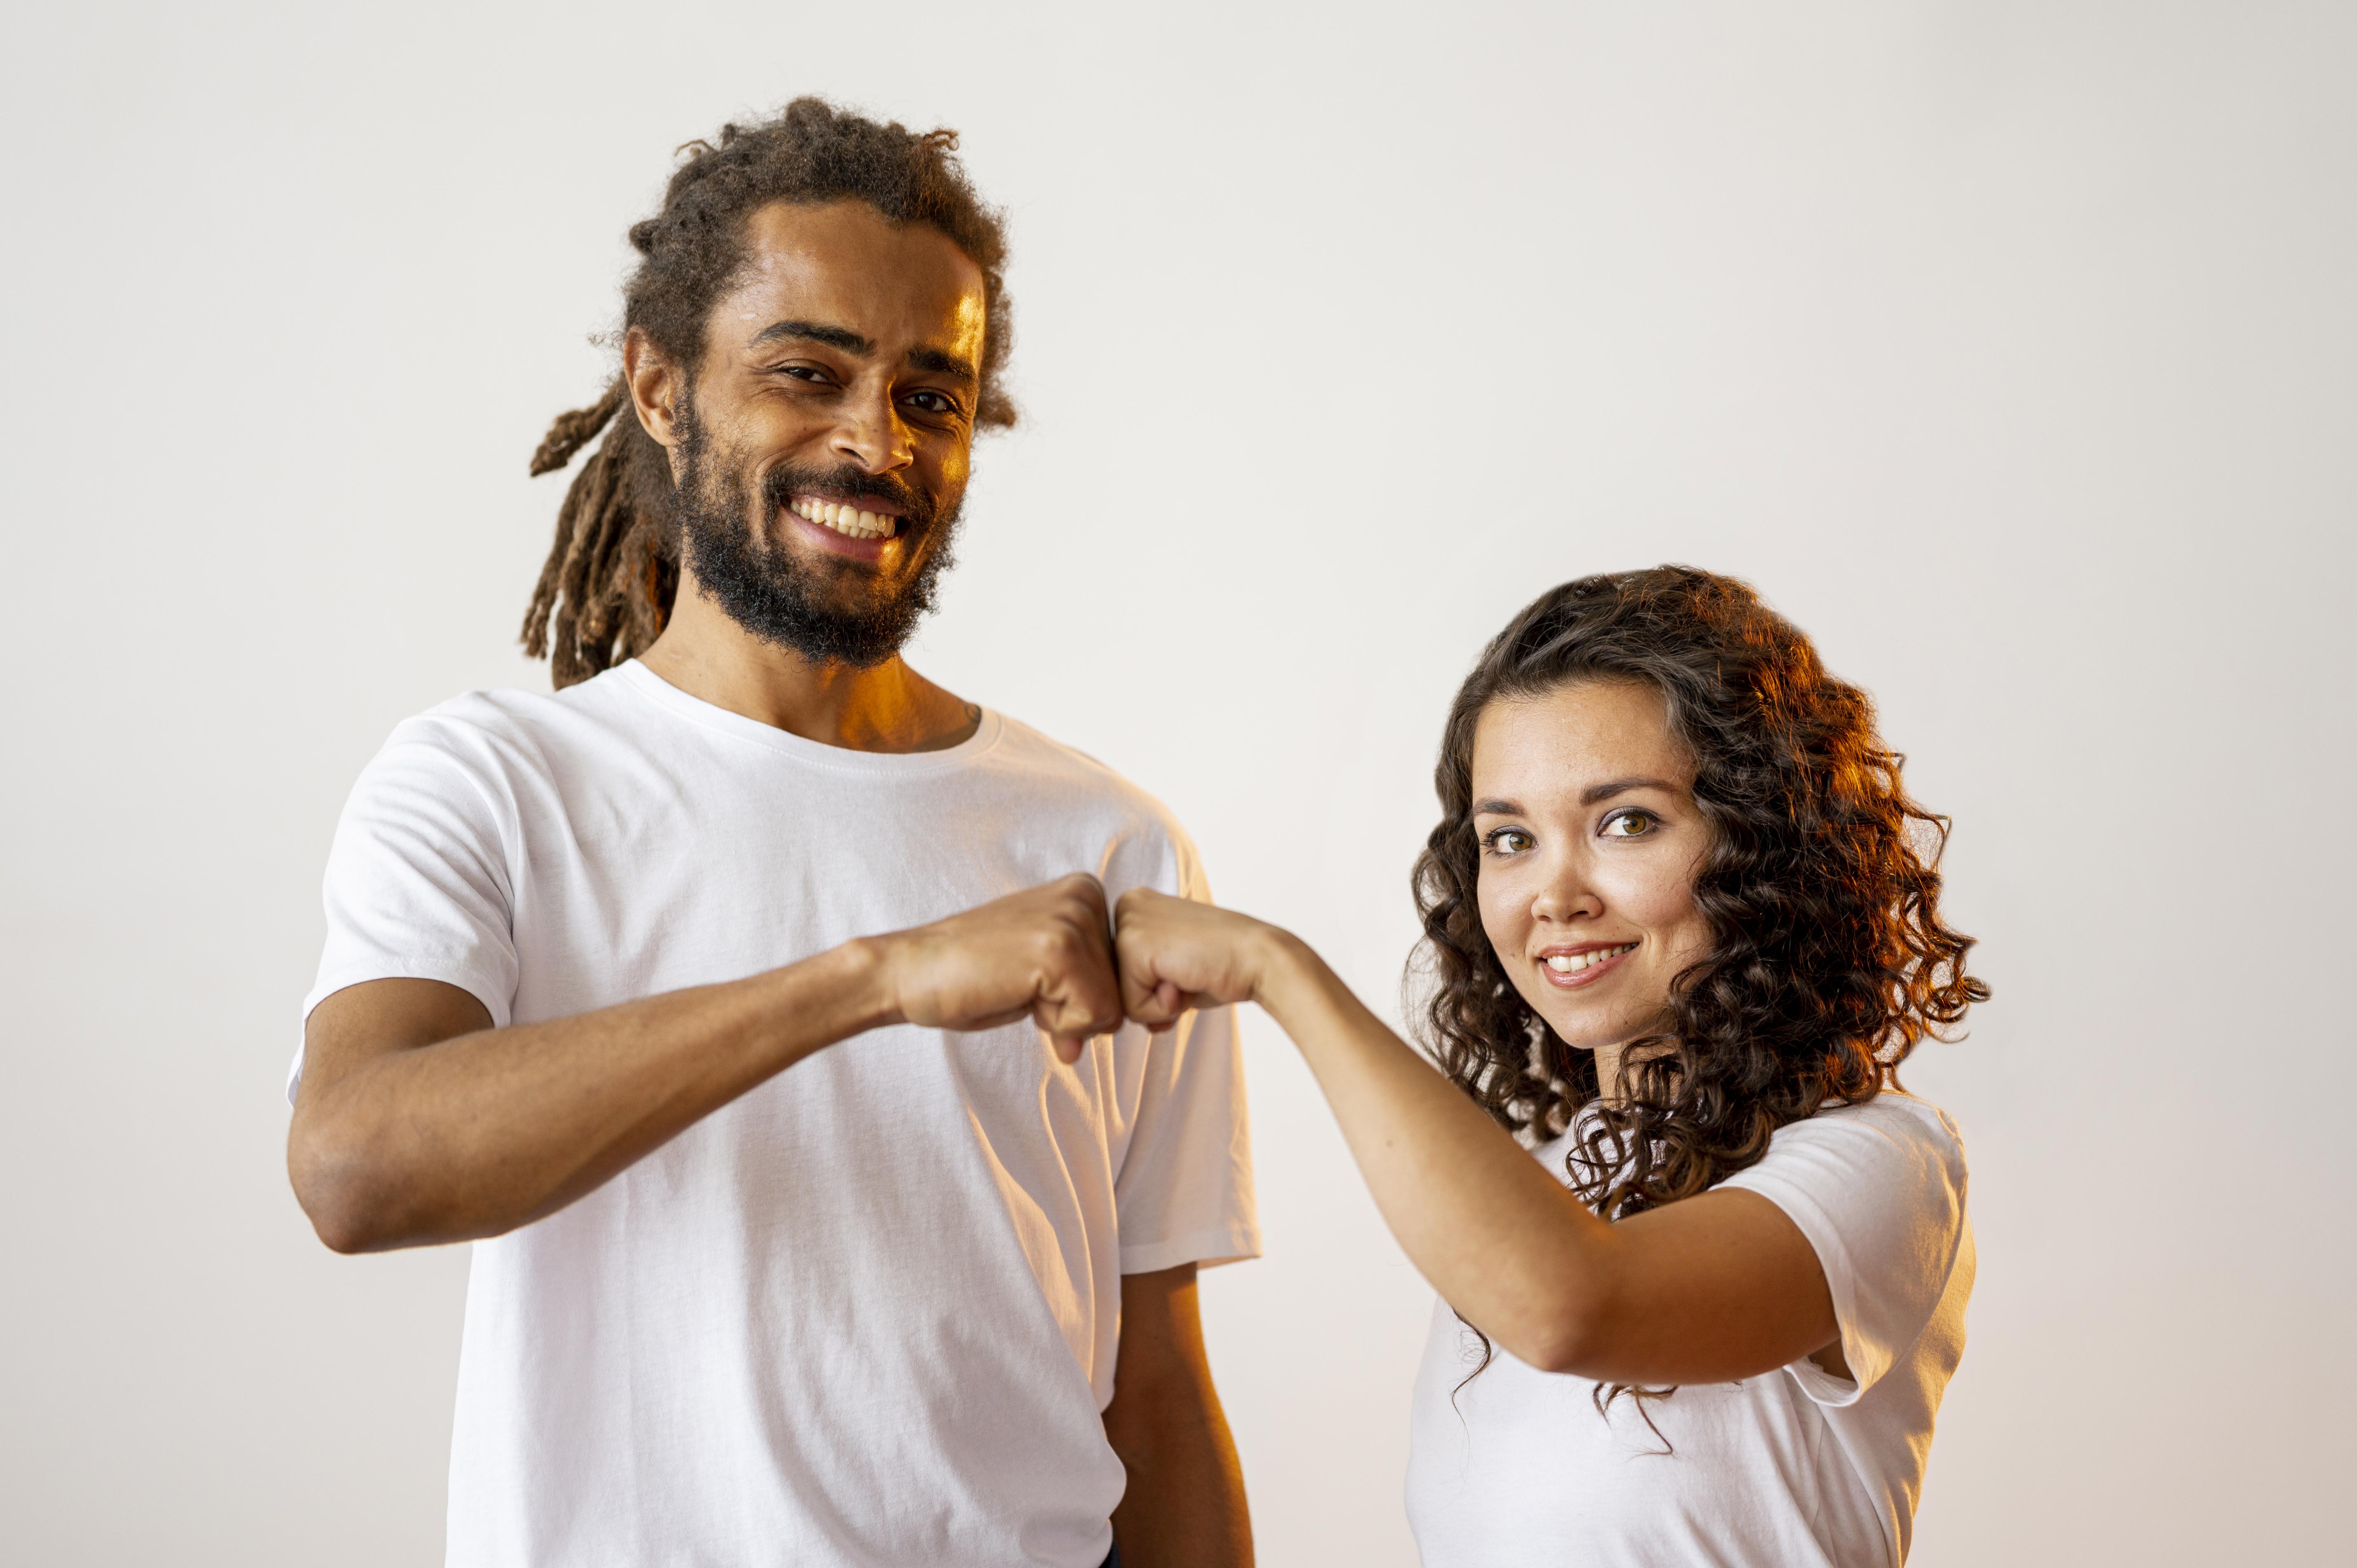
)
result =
(862, 973)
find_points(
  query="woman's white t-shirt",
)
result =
(1790, 1468)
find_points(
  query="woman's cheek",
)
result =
(1495, 918)
(1679, 925)
(1657, 899)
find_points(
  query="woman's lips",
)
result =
(1569, 969)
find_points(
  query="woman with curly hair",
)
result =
(1684, 925)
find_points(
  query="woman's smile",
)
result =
(1573, 965)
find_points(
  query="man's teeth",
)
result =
(1573, 962)
(848, 519)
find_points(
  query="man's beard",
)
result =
(829, 611)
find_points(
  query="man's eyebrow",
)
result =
(937, 360)
(1595, 792)
(841, 337)
(941, 363)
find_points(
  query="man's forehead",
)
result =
(842, 262)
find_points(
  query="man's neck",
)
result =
(889, 707)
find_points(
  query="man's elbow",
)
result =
(341, 1234)
(341, 1226)
(338, 1189)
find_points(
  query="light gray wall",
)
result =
(2007, 347)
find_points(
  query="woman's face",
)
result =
(1583, 804)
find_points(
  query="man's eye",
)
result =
(932, 402)
(1629, 824)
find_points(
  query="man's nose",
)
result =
(872, 434)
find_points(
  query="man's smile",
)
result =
(849, 530)
(866, 518)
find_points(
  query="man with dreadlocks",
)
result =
(928, 1296)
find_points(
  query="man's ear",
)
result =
(656, 387)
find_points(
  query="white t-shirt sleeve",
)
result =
(418, 881)
(1878, 1189)
(1185, 1187)
(1184, 1191)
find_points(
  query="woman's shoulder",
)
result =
(1894, 1113)
(1896, 1144)
(1896, 1141)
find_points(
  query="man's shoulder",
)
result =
(501, 728)
(1075, 783)
(1055, 765)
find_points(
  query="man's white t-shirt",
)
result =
(868, 1313)
(1795, 1468)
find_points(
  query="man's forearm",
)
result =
(481, 1129)
(1184, 1503)
(1185, 1507)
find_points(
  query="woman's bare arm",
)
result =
(1711, 1289)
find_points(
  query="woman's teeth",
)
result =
(1573, 962)
(848, 519)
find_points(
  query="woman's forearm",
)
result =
(1718, 1286)
(1501, 1239)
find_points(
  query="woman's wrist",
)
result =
(1281, 964)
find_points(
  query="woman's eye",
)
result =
(1507, 840)
(1629, 824)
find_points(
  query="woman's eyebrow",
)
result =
(1496, 808)
(1595, 792)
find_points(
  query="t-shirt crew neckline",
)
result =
(840, 758)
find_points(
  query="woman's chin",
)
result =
(1581, 1034)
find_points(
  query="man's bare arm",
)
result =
(1184, 1505)
(418, 1122)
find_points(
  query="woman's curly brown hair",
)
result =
(613, 570)
(1829, 960)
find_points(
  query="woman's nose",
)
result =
(1566, 895)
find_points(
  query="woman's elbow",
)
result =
(1571, 1322)
(1564, 1335)
(1552, 1346)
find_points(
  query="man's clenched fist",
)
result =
(1045, 954)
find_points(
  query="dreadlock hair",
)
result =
(613, 570)
(1829, 960)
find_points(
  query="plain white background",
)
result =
(2006, 347)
